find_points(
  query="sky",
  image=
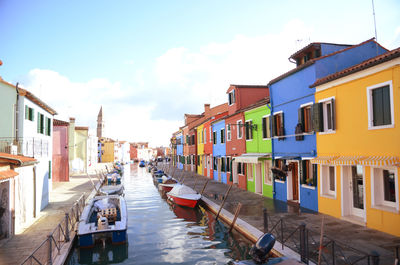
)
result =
(147, 63)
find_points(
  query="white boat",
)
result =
(184, 196)
(112, 189)
(103, 218)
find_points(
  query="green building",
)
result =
(258, 148)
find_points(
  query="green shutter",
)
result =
(333, 114)
(301, 118)
(315, 174)
(317, 117)
(26, 112)
(282, 128)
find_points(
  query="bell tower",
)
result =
(100, 123)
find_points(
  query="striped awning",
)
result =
(380, 161)
(323, 160)
(348, 160)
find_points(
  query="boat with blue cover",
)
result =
(103, 219)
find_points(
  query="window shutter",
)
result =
(317, 117)
(26, 112)
(303, 179)
(282, 127)
(333, 114)
(315, 174)
(273, 130)
(386, 105)
(301, 118)
(38, 122)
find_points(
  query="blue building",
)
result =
(219, 150)
(179, 150)
(296, 116)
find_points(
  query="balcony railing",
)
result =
(28, 146)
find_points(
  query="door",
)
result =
(258, 180)
(357, 191)
(295, 181)
(60, 163)
(219, 169)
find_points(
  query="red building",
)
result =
(239, 97)
(60, 160)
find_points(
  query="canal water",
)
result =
(160, 233)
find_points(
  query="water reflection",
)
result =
(161, 233)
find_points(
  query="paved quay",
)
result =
(63, 195)
(351, 240)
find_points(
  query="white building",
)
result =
(125, 152)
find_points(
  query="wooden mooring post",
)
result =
(204, 187)
(235, 217)
(223, 202)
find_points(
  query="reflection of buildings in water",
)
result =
(99, 255)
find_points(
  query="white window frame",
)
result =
(228, 133)
(377, 192)
(266, 116)
(211, 140)
(205, 136)
(324, 102)
(233, 97)
(324, 181)
(251, 130)
(239, 125)
(370, 110)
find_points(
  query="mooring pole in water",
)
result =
(236, 215)
(223, 202)
(204, 187)
(265, 217)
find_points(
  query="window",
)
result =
(228, 132)
(231, 97)
(250, 172)
(240, 168)
(384, 188)
(278, 125)
(214, 137)
(328, 110)
(328, 179)
(223, 168)
(380, 105)
(205, 136)
(222, 136)
(308, 173)
(305, 118)
(29, 113)
(40, 123)
(210, 135)
(187, 139)
(239, 129)
(48, 126)
(215, 166)
(266, 127)
(192, 140)
(280, 164)
(228, 164)
(267, 172)
(249, 130)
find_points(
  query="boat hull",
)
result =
(115, 237)
(166, 188)
(183, 201)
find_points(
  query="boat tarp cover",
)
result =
(180, 189)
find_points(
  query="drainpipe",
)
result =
(271, 109)
(16, 113)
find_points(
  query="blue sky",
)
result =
(149, 62)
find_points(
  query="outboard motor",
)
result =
(102, 223)
(259, 252)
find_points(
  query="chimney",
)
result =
(207, 110)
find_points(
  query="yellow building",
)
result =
(200, 148)
(107, 150)
(359, 143)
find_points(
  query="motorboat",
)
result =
(113, 178)
(184, 195)
(103, 219)
(167, 183)
(142, 164)
(112, 189)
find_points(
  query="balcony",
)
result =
(29, 146)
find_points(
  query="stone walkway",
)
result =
(346, 235)
(64, 194)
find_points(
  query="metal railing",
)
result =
(27, 146)
(307, 243)
(49, 249)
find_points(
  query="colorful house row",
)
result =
(288, 143)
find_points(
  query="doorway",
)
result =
(293, 182)
(258, 179)
(353, 192)
(219, 169)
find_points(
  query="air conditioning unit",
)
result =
(12, 149)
